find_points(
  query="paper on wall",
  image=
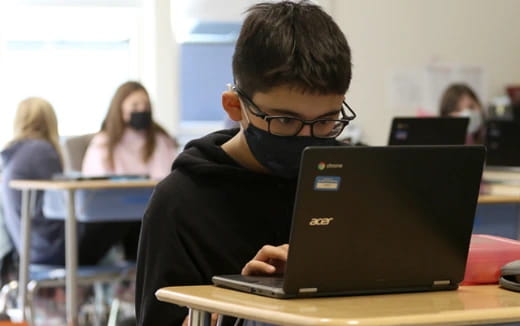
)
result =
(405, 90)
(412, 91)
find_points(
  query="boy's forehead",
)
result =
(286, 93)
(297, 101)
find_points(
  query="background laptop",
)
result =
(428, 131)
(376, 220)
(503, 143)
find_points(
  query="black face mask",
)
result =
(281, 154)
(140, 120)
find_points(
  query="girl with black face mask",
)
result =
(130, 142)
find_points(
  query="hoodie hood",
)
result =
(204, 156)
(8, 153)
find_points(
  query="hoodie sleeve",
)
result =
(163, 260)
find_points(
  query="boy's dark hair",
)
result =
(293, 44)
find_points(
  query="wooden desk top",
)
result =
(500, 186)
(81, 184)
(111, 184)
(510, 175)
(483, 304)
(498, 199)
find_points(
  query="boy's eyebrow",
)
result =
(273, 111)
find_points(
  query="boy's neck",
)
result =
(239, 151)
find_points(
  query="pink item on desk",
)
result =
(487, 254)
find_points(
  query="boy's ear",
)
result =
(231, 104)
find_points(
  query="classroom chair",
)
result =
(47, 276)
(74, 149)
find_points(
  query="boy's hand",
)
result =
(268, 260)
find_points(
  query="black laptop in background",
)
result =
(428, 131)
(377, 220)
(503, 144)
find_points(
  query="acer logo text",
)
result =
(320, 221)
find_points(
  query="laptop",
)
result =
(428, 131)
(503, 144)
(377, 220)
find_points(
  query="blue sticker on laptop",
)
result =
(327, 183)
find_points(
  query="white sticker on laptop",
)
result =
(327, 183)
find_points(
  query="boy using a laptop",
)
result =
(232, 191)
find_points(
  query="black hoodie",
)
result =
(209, 216)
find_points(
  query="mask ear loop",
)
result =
(244, 111)
(231, 88)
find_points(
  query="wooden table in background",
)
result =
(498, 199)
(28, 188)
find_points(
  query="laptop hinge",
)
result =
(308, 290)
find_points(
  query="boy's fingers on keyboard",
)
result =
(256, 267)
(268, 260)
(269, 252)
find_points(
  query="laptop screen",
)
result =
(503, 143)
(368, 218)
(428, 131)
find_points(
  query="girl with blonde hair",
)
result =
(35, 119)
(34, 153)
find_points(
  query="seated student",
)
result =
(7, 252)
(34, 153)
(232, 191)
(130, 142)
(459, 100)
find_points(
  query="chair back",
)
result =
(74, 149)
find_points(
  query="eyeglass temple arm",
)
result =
(353, 114)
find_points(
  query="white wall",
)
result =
(386, 34)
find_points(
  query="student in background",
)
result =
(459, 100)
(232, 191)
(6, 250)
(34, 153)
(130, 142)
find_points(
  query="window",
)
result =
(73, 56)
(206, 31)
(206, 57)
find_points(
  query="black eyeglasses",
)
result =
(291, 126)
